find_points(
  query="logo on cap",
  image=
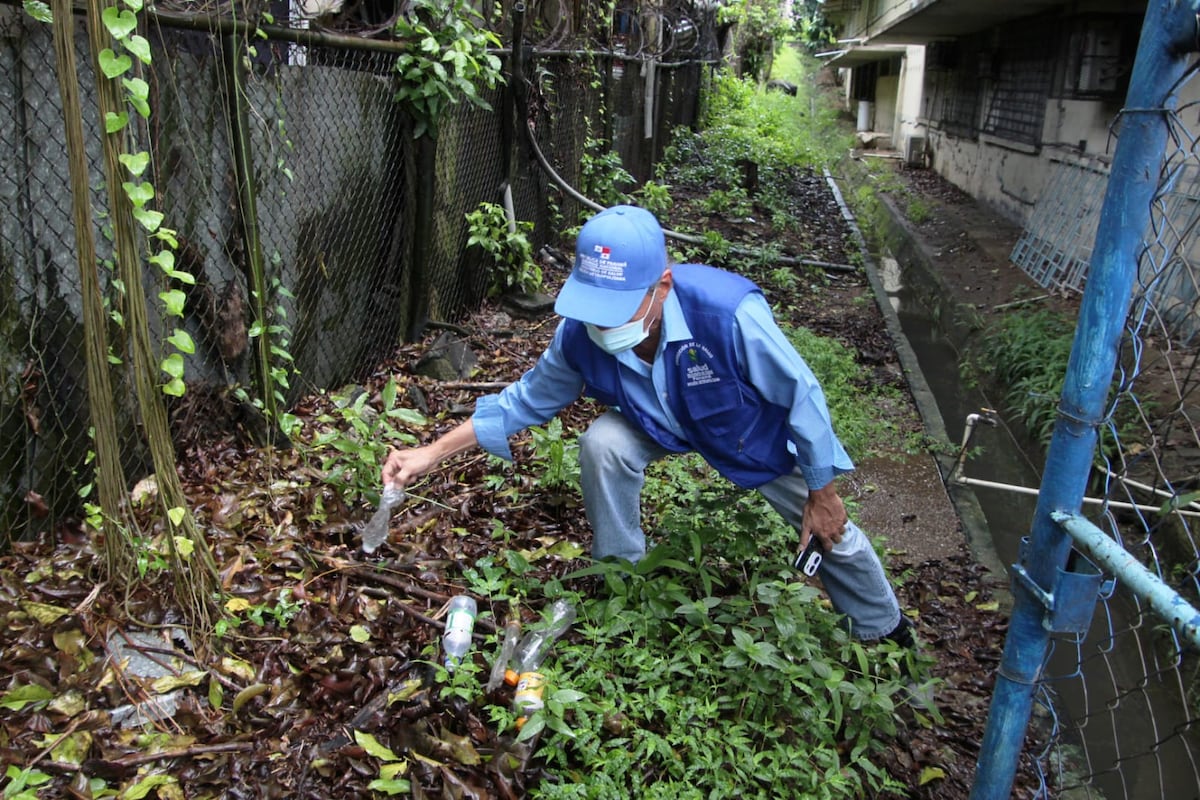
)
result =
(604, 252)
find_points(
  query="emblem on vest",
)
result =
(697, 372)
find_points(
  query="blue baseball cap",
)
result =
(620, 253)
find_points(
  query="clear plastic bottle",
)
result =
(460, 622)
(377, 528)
(512, 632)
(529, 656)
(537, 643)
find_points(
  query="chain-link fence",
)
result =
(1125, 697)
(279, 143)
(1118, 693)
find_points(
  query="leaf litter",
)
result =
(324, 689)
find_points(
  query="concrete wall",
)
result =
(1004, 175)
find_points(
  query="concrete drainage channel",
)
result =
(894, 294)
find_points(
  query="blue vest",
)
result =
(723, 417)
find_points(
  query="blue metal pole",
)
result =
(1169, 33)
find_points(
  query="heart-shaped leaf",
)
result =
(173, 366)
(135, 5)
(141, 107)
(150, 220)
(112, 65)
(119, 23)
(173, 299)
(139, 193)
(135, 162)
(183, 341)
(115, 122)
(139, 47)
(165, 235)
(164, 259)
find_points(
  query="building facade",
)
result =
(1017, 102)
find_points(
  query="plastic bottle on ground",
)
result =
(537, 643)
(508, 645)
(377, 528)
(460, 622)
(529, 656)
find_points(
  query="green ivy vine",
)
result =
(122, 24)
(448, 57)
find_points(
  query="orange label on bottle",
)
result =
(528, 697)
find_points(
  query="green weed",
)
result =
(555, 459)
(280, 613)
(353, 440)
(604, 179)
(1026, 352)
(918, 210)
(448, 62)
(853, 399)
(655, 197)
(510, 250)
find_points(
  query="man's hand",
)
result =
(824, 516)
(402, 467)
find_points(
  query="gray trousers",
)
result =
(613, 458)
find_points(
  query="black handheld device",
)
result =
(808, 561)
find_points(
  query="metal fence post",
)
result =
(1169, 34)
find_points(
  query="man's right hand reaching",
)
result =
(402, 467)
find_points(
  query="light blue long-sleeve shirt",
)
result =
(768, 360)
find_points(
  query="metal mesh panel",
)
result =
(1056, 245)
(44, 416)
(329, 149)
(567, 114)
(952, 101)
(960, 105)
(470, 171)
(1023, 72)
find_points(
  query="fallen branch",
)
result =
(394, 581)
(449, 326)
(119, 768)
(387, 578)
(183, 752)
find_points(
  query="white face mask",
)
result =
(621, 338)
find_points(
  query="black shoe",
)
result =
(917, 693)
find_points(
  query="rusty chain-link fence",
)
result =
(283, 141)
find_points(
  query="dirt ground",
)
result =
(968, 243)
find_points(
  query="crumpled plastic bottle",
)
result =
(508, 645)
(376, 530)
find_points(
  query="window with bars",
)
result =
(1022, 71)
(960, 105)
(1098, 56)
(952, 102)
